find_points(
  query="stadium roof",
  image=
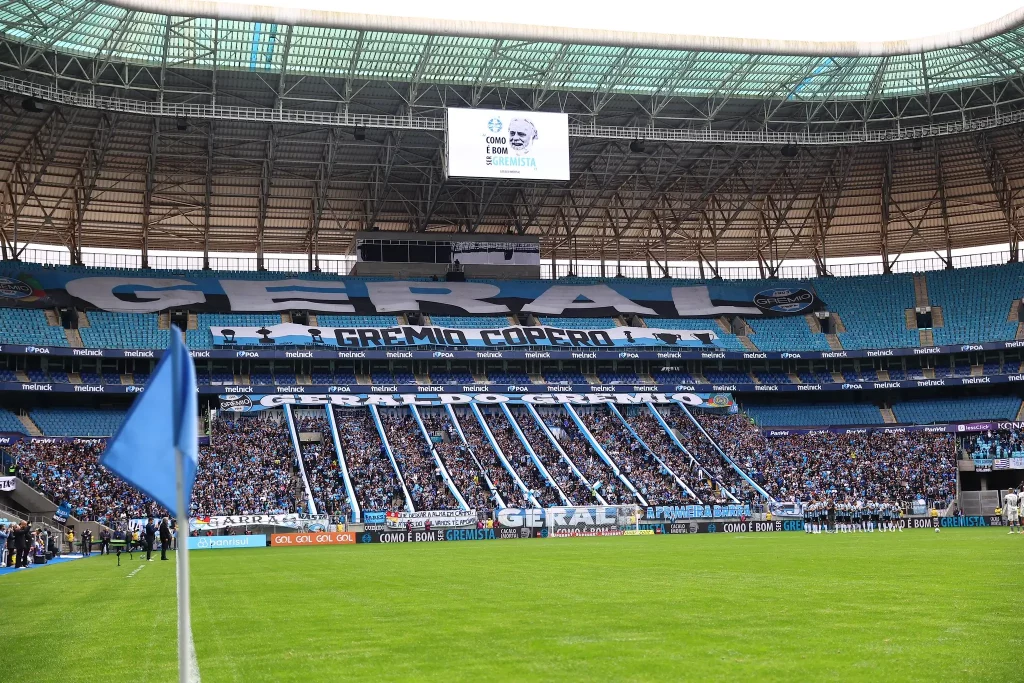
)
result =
(207, 131)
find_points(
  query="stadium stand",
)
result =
(376, 486)
(998, 444)
(124, 331)
(516, 454)
(29, 326)
(725, 340)
(784, 334)
(626, 451)
(469, 322)
(489, 461)
(927, 411)
(9, 422)
(322, 470)
(872, 308)
(77, 421)
(975, 302)
(702, 449)
(579, 323)
(556, 465)
(200, 338)
(422, 477)
(858, 467)
(814, 415)
(588, 461)
(696, 478)
(329, 320)
(459, 462)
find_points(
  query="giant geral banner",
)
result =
(32, 286)
(500, 143)
(545, 336)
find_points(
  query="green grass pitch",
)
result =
(778, 606)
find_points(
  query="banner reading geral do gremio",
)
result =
(30, 286)
(254, 402)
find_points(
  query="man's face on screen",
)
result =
(521, 134)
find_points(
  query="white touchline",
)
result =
(136, 571)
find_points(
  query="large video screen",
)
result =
(499, 143)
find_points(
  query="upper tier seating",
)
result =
(975, 302)
(124, 331)
(926, 411)
(29, 326)
(872, 309)
(783, 334)
(470, 322)
(817, 415)
(77, 421)
(579, 323)
(9, 422)
(201, 338)
(729, 342)
(330, 320)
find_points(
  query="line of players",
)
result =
(835, 517)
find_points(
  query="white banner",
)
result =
(497, 143)
(292, 520)
(438, 518)
(290, 334)
(7, 483)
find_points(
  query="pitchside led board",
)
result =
(498, 143)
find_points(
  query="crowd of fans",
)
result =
(685, 466)
(516, 454)
(422, 476)
(372, 475)
(70, 473)
(322, 469)
(725, 478)
(458, 461)
(586, 459)
(478, 441)
(871, 467)
(637, 464)
(1001, 444)
(571, 485)
(247, 469)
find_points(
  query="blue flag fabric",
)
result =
(161, 422)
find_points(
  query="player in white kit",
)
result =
(1011, 501)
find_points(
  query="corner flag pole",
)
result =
(184, 611)
(185, 655)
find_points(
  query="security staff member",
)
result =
(104, 541)
(150, 538)
(165, 538)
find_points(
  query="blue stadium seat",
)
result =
(470, 322)
(29, 326)
(331, 320)
(872, 307)
(814, 415)
(124, 331)
(9, 422)
(926, 411)
(729, 342)
(786, 334)
(975, 302)
(579, 323)
(77, 421)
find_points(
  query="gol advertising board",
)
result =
(321, 538)
(498, 143)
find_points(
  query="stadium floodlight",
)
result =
(359, 133)
(182, 124)
(637, 146)
(790, 151)
(30, 104)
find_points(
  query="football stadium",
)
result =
(510, 343)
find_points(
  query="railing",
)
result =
(699, 134)
(342, 265)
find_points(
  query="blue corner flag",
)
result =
(159, 428)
